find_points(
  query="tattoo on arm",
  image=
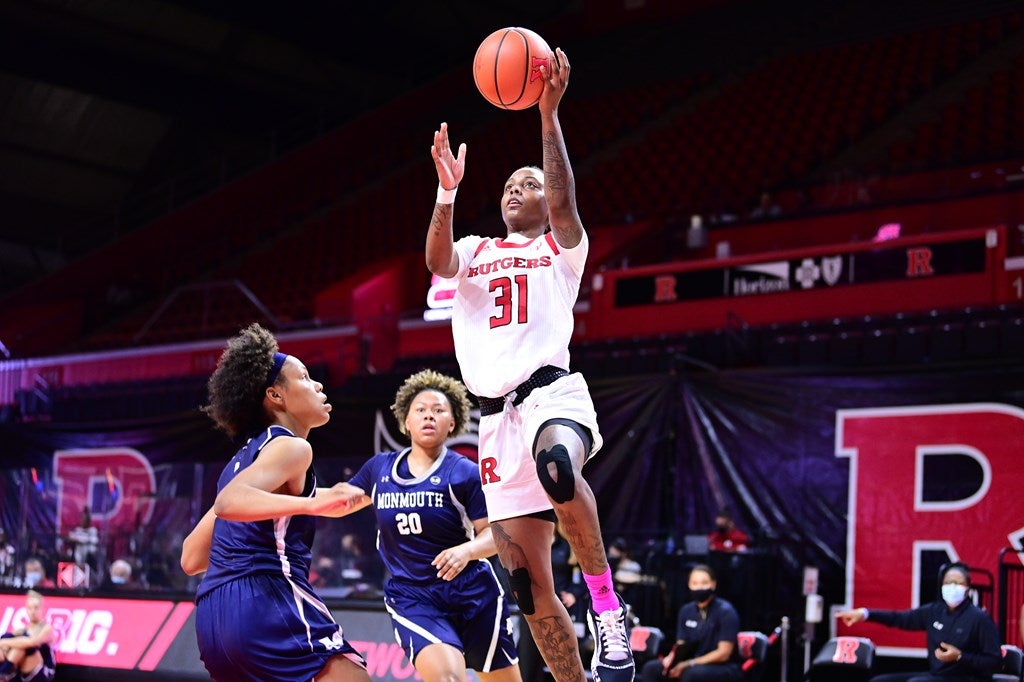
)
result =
(442, 215)
(557, 177)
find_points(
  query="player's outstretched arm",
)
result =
(358, 499)
(442, 260)
(271, 487)
(559, 182)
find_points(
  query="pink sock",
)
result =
(602, 592)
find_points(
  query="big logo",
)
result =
(940, 479)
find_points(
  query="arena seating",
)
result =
(703, 142)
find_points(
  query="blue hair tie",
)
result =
(275, 370)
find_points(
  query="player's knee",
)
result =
(554, 469)
(522, 590)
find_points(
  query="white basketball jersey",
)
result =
(513, 308)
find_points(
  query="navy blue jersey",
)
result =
(966, 627)
(703, 629)
(419, 517)
(282, 546)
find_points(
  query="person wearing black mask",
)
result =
(726, 537)
(706, 628)
(963, 642)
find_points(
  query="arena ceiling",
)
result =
(101, 100)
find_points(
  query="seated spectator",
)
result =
(766, 207)
(706, 629)
(323, 573)
(361, 571)
(119, 577)
(7, 555)
(25, 653)
(625, 569)
(963, 642)
(726, 537)
(34, 575)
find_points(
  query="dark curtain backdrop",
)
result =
(678, 446)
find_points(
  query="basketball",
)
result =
(506, 68)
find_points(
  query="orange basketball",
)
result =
(506, 68)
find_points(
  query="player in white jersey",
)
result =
(512, 322)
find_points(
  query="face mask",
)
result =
(117, 579)
(32, 577)
(700, 596)
(722, 528)
(953, 594)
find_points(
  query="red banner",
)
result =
(104, 633)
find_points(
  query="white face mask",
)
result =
(953, 594)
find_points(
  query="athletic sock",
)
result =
(602, 592)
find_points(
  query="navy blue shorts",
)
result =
(264, 627)
(470, 613)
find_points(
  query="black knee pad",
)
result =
(583, 432)
(562, 487)
(522, 590)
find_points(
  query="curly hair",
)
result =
(429, 380)
(236, 388)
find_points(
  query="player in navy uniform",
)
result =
(26, 653)
(257, 617)
(447, 606)
(512, 320)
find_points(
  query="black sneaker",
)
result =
(613, 659)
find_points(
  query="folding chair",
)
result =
(645, 641)
(843, 659)
(753, 650)
(1013, 664)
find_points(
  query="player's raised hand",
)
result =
(450, 168)
(556, 80)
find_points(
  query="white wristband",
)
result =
(446, 196)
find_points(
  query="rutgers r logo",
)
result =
(535, 69)
(846, 650)
(919, 262)
(665, 289)
(487, 470)
(926, 481)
